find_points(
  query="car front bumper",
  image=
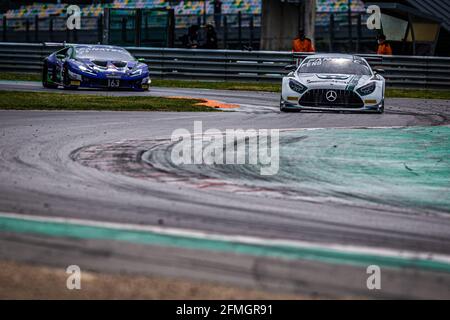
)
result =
(366, 108)
(102, 81)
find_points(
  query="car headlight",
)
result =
(297, 86)
(85, 69)
(137, 72)
(367, 89)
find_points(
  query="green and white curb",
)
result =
(189, 239)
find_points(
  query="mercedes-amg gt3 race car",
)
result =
(95, 66)
(333, 82)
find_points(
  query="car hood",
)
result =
(333, 81)
(111, 65)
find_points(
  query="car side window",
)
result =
(62, 52)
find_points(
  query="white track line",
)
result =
(380, 252)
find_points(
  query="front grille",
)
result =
(316, 98)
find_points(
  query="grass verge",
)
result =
(26, 281)
(52, 101)
(20, 76)
(418, 94)
(246, 86)
(242, 86)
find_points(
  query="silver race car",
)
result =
(333, 82)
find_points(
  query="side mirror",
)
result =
(379, 71)
(290, 67)
(141, 60)
(60, 56)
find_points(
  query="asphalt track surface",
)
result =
(39, 177)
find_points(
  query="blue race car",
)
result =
(95, 66)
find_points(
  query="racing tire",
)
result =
(281, 106)
(66, 80)
(286, 110)
(381, 111)
(45, 82)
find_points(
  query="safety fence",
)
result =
(236, 65)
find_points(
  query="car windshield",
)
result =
(334, 66)
(103, 53)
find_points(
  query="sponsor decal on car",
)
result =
(353, 83)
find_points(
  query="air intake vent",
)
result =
(100, 63)
(119, 64)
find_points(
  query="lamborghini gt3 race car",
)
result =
(333, 82)
(95, 66)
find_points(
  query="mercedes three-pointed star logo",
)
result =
(331, 96)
